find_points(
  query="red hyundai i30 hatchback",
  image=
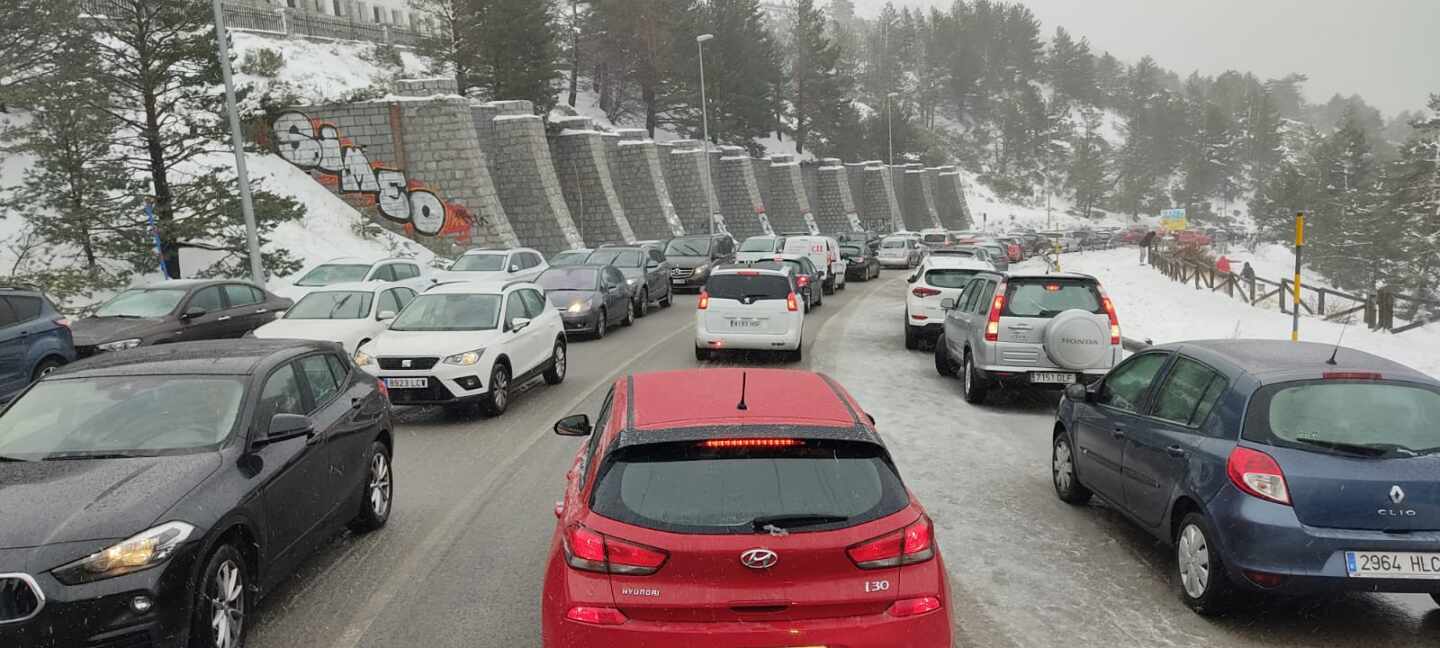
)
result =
(739, 508)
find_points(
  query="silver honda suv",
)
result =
(1028, 330)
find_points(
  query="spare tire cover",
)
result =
(1075, 339)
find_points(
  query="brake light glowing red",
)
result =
(1114, 319)
(914, 606)
(923, 292)
(912, 544)
(748, 273)
(803, 281)
(596, 615)
(1351, 375)
(992, 323)
(791, 303)
(1257, 474)
(751, 443)
(704, 302)
(590, 550)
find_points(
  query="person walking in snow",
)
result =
(1247, 272)
(1145, 242)
(1222, 264)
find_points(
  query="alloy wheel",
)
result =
(600, 325)
(1063, 466)
(969, 374)
(226, 594)
(1193, 554)
(380, 485)
(560, 360)
(500, 385)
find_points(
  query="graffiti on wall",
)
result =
(316, 145)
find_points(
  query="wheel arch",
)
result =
(241, 533)
(1183, 505)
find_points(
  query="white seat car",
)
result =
(514, 264)
(468, 342)
(406, 272)
(824, 252)
(350, 314)
(749, 309)
(939, 277)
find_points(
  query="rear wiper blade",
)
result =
(782, 522)
(67, 456)
(1353, 448)
(5, 459)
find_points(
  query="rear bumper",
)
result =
(1009, 376)
(890, 262)
(879, 631)
(787, 341)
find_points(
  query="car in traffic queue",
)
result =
(1014, 246)
(995, 253)
(692, 258)
(407, 272)
(487, 265)
(152, 497)
(749, 309)
(869, 240)
(576, 256)
(1271, 467)
(861, 264)
(936, 237)
(762, 510)
(468, 343)
(646, 271)
(348, 314)
(176, 310)
(807, 276)
(1028, 331)
(35, 339)
(824, 252)
(900, 251)
(590, 297)
(940, 276)
(756, 248)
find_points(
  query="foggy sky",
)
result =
(1388, 51)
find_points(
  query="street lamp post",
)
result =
(705, 129)
(247, 208)
(889, 128)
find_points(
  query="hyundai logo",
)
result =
(1397, 494)
(759, 558)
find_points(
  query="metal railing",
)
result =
(288, 22)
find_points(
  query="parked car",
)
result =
(671, 533)
(861, 264)
(178, 310)
(406, 272)
(646, 271)
(160, 493)
(824, 252)
(996, 254)
(936, 238)
(939, 277)
(570, 257)
(464, 343)
(694, 257)
(756, 248)
(1270, 466)
(900, 252)
(753, 309)
(591, 298)
(1028, 331)
(807, 276)
(869, 240)
(35, 339)
(504, 265)
(348, 314)
(1013, 247)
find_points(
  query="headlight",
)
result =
(141, 551)
(361, 358)
(578, 307)
(701, 269)
(465, 359)
(632, 280)
(120, 345)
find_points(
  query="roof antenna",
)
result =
(1336, 350)
(742, 406)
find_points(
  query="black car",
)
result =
(693, 257)
(150, 497)
(646, 271)
(869, 240)
(180, 310)
(807, 275)
(590, 297)
(861, 262)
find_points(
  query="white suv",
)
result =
(939, 277)
(467, 342)
(749, 308)
(406, 272)
(515, 264)
(824, 252)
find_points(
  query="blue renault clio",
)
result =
(1270, 466)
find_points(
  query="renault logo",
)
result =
(1397, 495)
(759, 558)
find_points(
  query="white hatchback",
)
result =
(939, 277)
(468, 342)
(515, 264)
(406, 272)
(749, 309)
(350, 314)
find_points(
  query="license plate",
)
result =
(1062, 378)
(677, 282)
(1392, 564)
(407, 383)
(745, 323)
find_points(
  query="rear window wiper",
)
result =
(5, 459)
(1352, 448)
(776, 524)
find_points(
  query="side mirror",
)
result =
(288, 426)
(386, 315)
(652, 264)
(519, 323)
(948, 303)
(1079, 393)
(514, 267)
(193, 312)
(912, 278)
(575, 425)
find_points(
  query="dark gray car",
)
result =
(591, 298)
(180, 310)
(646, 271)
(695, 256)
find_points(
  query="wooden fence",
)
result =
(1379, 309)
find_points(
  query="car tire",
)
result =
(602, 324)
(1062, 472)
(1201, 575)
(828, 286)
(629, 317)
(221, 593)
(497, 399)
(378, 491)
(796, 354)
(975, 386)
(701, 355)
(912, 339)
(669, 297)
(819, 297)
(45, 367)
(642, 305)
(559, 364)
(944, 365)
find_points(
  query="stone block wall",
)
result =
(855, 175)
(761, 167)
(643, 191)
(809, 177)
(950, 199)
(612, 152)
(882, 208)
(835, 206)
(443, 150)
(739, 196)
(426, 87)
(919, 212)
(789, 207)
(525, 178)
(695, 198)
(583, 169)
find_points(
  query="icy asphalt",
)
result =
(461, 562)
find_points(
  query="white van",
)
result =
(824, 252)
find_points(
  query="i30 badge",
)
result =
(1397, 495)
(759, 558)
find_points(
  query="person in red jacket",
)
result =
(1222, 264)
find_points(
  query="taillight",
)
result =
(593, 551)
(1257, 474)
(922, 291)
(1114, 320)
(596, 615)
(803, 281)
(914, 606)
(704, 302)
(992, 323)
(791, 303)
(912, 544)
(382, 388)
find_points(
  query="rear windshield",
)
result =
(949, 277)
(934, 238)
(687, 488)
(1050, 297)
(755, 287)
(758, 245)
(892, 244)
(1351, 417)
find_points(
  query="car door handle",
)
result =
(222, 318)
(1118, 432)
(262, 311)
(1175, 451)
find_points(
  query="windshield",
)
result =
(684, 487)
(142, 303)
(759, 244)
(332, 305)
(934, 238)
(619, 258)
(334, 273)
(479, 263)
(949, 277)
(1050, 297)
(568, 279)
(569, 258)
(449, 312)
(1366, 418)
(139, 415)
(688, 247)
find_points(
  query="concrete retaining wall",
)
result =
(789, 206)
(695, 198)
(583, 169)
(950, 199)
(739, 195)
(525, 179)
(916, 204)
(882, 208)
(834, 207)
(642, 188)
